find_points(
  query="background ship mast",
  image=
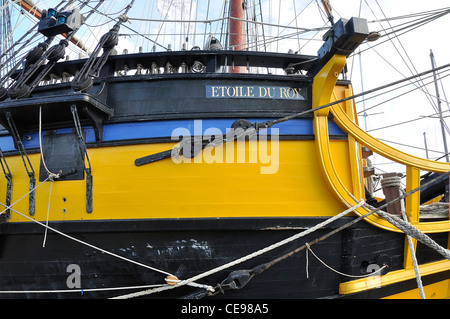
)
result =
(237, 30)
(6, 38)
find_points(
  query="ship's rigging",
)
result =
(284, 26)
(33, 68)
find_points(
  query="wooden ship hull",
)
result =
(91, 212)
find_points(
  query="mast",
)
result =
(327, 7)
(237, 30)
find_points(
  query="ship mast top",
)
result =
(237, 30)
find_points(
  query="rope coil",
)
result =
(391, 181)
(308, 246)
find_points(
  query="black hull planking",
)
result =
(187, 248)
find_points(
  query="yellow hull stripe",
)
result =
(166, 189)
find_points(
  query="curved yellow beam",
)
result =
(402, 275)
(323, 86)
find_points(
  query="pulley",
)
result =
(53, 22)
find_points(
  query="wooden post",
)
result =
(237, 30)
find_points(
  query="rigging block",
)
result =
(53, 22)
(343, 38)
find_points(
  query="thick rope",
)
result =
(415, 233)
(408, 229)
(413, 254)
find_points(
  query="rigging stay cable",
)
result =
(432, 15)
(413, 25)
(404, 122)
(293, 116)
(412, 69)
(402, 94)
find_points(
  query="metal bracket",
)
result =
(26, 161)
(89, 187)
(4, 217)
(82, 145)
(237, 279)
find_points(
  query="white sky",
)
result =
(395, 59)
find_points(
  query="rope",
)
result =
(260, 268)
(247, 257)
(73, 290)
(70, 237)
(48, 210)
(401, 225)
(50, 174)
(87, 244)
(334, 270)
(413, 256)
(408, 229)
(193, 284)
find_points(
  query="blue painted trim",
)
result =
(139, 130)
(158, 129)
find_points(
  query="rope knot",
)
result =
(123, 18)
(53, 176)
